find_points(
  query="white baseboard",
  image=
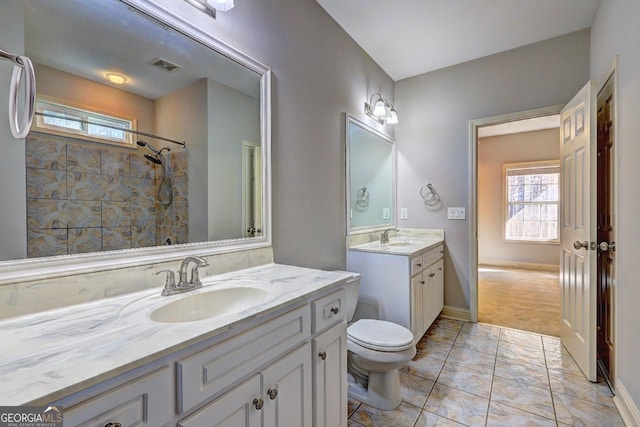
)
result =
(455, 313)
(521, 265)
(626, 406)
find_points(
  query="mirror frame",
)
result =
(352, 120)
(28, 269)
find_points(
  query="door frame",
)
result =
(612, 73)
(473, 187)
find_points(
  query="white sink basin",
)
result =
(208, 304)
(398, 244)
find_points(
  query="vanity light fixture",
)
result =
(381, 111)
(116, 78)
(211, 6)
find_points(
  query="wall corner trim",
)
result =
(626, 406)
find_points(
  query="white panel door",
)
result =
(578, 228)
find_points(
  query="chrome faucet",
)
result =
(170, 286)
(384, 237)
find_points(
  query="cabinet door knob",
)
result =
(432, 274)
(258, 403)
(422, 282)
(419, 264)
(439, 268)
(273, 393)
(335, 310)
(323, 355)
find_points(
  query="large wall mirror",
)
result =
(149, 136)
(371, 188)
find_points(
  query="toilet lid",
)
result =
(380, 335)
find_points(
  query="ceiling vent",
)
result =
(164, 64)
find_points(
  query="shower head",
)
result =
(142, 143)
(153, 159)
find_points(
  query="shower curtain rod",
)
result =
(137, 132)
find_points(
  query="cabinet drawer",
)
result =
(145, 401)
(328, 310)
(432, 255)
(208, 372)
(417, 265)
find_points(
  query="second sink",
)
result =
(208, 304)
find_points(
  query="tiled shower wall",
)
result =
(86, 198)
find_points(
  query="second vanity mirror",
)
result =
(371, 184)
(195, 173)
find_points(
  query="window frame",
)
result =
(505, 199)
(85, 113)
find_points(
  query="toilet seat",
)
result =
(380, 335)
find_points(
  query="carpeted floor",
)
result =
(521, 299)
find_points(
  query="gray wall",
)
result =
(615, 31)
(319, 72)
(433, 134)
(493, 153)
(13, 181)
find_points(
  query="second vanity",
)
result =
(403, 279)
(279, 361)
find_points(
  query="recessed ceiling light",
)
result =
(116, 78)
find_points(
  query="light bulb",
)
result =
(393, 118)
(380, 110)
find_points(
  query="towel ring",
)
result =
(429, 194)
(21, 127)
(362, 197)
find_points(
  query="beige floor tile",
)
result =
(578, 412)
(562, 363)
(522, 338)
(352, 405)
(481, 329)
(452, 324)
(526, 373)
(403, 415)
(529, 398)
(432, 348)
(516, 353)
(352, 423)
(415, 389)
(457, 405)
(506, 416)
(471, 359)
(438, 333)
(578, 386)
(466, 379)
(477, 343)
(429, 419)
(425, 367)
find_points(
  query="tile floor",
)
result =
(481, 375)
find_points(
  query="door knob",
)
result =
(273, 393)
(323, 355)
(579, 245)
(605, 246)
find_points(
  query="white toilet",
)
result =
(376, 350)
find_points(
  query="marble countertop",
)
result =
(48, 355)
(400, 246)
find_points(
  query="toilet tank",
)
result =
(352, 288)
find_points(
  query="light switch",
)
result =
(386, 213)
(456, 213)
(404, 213)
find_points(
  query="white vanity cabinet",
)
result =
(408, 289)
(288, 369)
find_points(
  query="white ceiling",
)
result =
(412, 37)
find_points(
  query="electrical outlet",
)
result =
(456, 213)
(404, 213)
(386, 213)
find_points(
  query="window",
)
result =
(64, 119)
(532, 201)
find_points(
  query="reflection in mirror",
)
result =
(370, 177)
(144, 136)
